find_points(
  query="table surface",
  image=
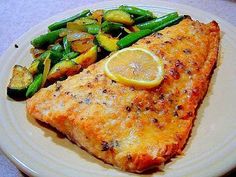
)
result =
(19, 16)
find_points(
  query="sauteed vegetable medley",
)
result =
(74, 43)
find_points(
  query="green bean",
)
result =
(62, 23)
(142, 19)
(54, 55)
(70, 55)
(132, 38)
(109, 27)
(136, 11)
(158, 21)
(34, 86)
(93, 28)
(44, 55)
(46, 39)
(57, 47)
(66, 45)
(169, 23)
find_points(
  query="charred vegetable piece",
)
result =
(152, 24)
(70, 55)
(98, 15)
(82, 45)
(36, 67)
(19, 82)
(107, 42)
(34, 86)
(109, 27)
(36, 52)
(118, 16)
(62, 24)
(87, 58)
(136, 11)
(63, 68)
(132, 38)
(66, 45)
(46, 39)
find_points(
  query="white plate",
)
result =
(211, 150)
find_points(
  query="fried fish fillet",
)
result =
(133, 129)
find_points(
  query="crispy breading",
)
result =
(133, 129)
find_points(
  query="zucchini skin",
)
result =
(107, 42)
(109, 27)
(16, 94)
(118, 16)
(62, 69)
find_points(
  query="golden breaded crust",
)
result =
(135, 130)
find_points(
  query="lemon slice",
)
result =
(136, 67)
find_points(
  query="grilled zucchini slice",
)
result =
(107, 42)
(87, 58)
(36, 67)
(19, 82)
(118, 16)
(63, 68)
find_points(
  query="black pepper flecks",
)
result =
(110, 146)
(104, 91)
(179, 107)
(179, 64)
(115, 143)
(128, 108)
(89, 85)
(105, 146)
(162, 97)
(58, 86)
(129, 157)
(167, 42)
(187, 51)
(188, 72)
(190, 114)
(154, 120)
(176, 114)
(159, 35)
(174, 73)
